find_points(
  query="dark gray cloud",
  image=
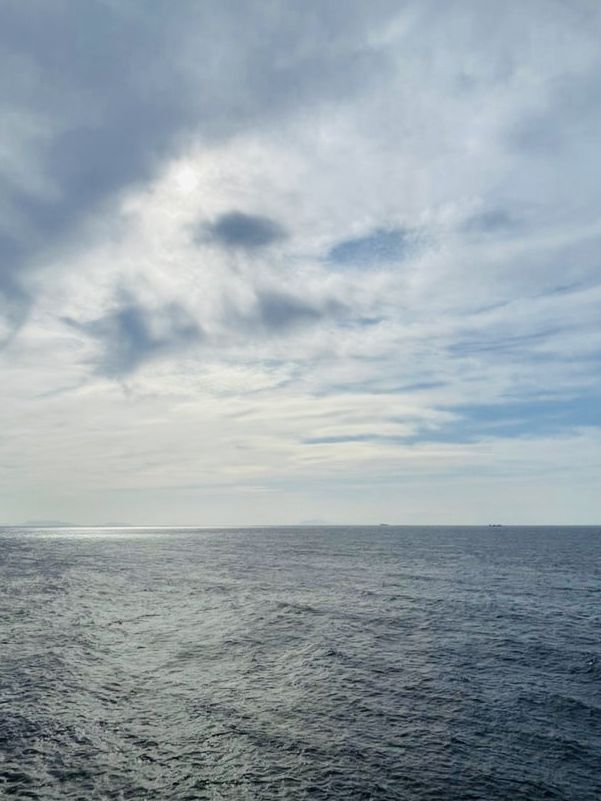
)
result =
(99, 93)
(78, 72)
(379, 246)
(245, 231)
(279, 312)
(133, 335)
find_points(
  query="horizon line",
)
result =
(233, 526)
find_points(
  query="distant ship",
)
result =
(495, 525)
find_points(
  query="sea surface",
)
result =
(456, 664)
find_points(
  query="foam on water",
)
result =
(359, 663)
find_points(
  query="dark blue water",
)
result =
(359, 663)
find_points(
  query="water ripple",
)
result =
(395, 663)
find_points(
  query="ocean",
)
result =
(456, 664)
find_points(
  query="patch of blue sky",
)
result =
(475, 422)
(378, 247)
(549, 417)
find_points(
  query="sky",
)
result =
(267, 262)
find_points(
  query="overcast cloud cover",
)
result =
(266, 262)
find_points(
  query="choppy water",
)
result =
(361, 663)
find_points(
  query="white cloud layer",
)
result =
(267, 263)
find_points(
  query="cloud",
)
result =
(234, 229)
(98, 96)
(275, 313)
(351, 438)
(267, 180)
(133, 335)
(100, 82)
(279, 312)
